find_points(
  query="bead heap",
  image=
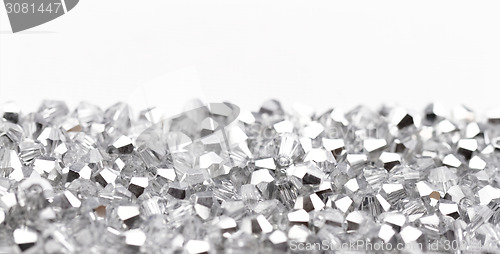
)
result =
(219, 179)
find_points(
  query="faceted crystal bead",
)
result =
(256, 225)
(313, 130)
(434, 112)
(10, 112)
(135, 238)
(394, 192)
(71, 200)
(298, 217)
(128, 214)
(343, 203)
(11, 165)
(386, 233)
(137, 185)
(401, 118)
(289, 149)
(105, 177)
(451, 160)
(394, 219)
(227, 226)
(390, 160)
(25, 238)
(411, 234)
(443, 177)
(197, 247)
(336, 147)
(374, 205)
(466, 147)
(373, 145)
(299, 233)
(118, 116)
(487, 194)
(354, 221)
(122, 145)
(50, 110)
(88, 113)
(177, 190)
(449, 209)
(203, 204)
(309, 173)
(455, 194)
(2, 216)
(78, 171)
(34, 193)
(279, 240)
(271, 107)
(261, 176)
(309, 203)
(214, 164)
(286, 192)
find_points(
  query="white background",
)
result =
(325, 54)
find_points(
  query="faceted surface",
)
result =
(217, 179)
